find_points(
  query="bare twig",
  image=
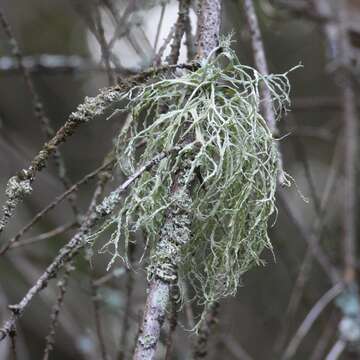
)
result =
(123, 346)
(98, 323)
(38, 106)
(323, 260)
(62, 286)
(163, 8)
(172, 325)
(336, 350)
(261, 64)
(105, 50)
(200, 348)
(311, 317)
(236, 350)
(45, 236)
(329, 331)
(179, 31)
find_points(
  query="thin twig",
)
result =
(172, 319)
(200, 347)
(38, 106)
(262, 66)
(336, 350)
(55, 312)
(163, 8)
(98, 323)
(179, 31)
(129, 287)
(13, 349)
(309, 320)
(45, 236)
(52, 205)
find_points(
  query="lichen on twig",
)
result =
(233, 157)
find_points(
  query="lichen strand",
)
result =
(227, 185)
(15, 191)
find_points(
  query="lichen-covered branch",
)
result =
(176, 231)
(20, 185)
(71, 249)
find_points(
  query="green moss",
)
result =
(231, 175)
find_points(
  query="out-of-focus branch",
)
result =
(311, 317)
(55, 312)
(177, 217)
(261, 65)
(39, 109)
(179, 31)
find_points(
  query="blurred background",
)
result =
(61, 44)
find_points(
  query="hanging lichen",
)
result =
(214, 114)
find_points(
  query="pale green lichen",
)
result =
(16, 190)
(231, 177)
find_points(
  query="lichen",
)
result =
(16, 190)
(228, 182)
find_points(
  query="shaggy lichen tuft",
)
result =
(230, 177)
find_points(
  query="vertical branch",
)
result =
(261, 64)
(13, 350)
(260, 61)
(208, 31)
(163, 8)
(172, 326)
(105, 50)
(62, 286)
(123, 346)
(98, 325)
(200, 347)
(351, 148)
(176, 231)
